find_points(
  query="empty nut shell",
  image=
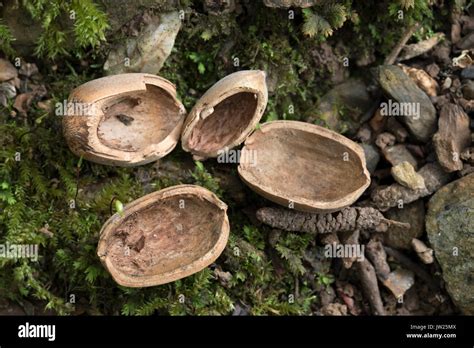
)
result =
(164, 236)
(304, 166)
(226, 114)
(123, 120)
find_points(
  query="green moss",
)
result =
(6, 39)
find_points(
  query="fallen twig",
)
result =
(370, 286)
(390, 59)
(376, 254)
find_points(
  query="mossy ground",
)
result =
(36, 191)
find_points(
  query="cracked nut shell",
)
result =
(301, 165)
(226, 114)
(123, 120)
(164, 236)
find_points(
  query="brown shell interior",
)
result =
(302, 164)
(165, 236)
(134, 120)
(229, 119)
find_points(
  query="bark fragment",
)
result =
(452, 138)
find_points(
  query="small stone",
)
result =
(7, 70)
(468, 155)
(397, 154)
(364, 134)
(433, 70)
(468, 90)
(405, 175)
(334, 309)
(467, 42)
(452, 138)
(455, 32)
(28, 69)
(424, 253)
(466, 170)
(327, 295)
(450, 229)
(385, 139)
(442, 52)
(399, 281)
(468, 73)
(378, 122)
(441, 100)
(372, 157)
(414, 214)
(397, 129)
(352, 99)
(447, 83)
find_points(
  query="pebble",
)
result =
(468, 90)
(424, 253)
(405, 175)
(7, 70)
(468, 73)
(397, 154)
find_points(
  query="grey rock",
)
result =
(7, 70)
(372, 157)
(467, 42)
(401, 88)
(414, 214)
(450, 229)
(397, 154)
(148, 51)
(468, 73)
(350, 99)
(468, 90)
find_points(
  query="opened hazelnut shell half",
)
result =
(124, 120)
(164, 236)
(226, 114)
(304, 166)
